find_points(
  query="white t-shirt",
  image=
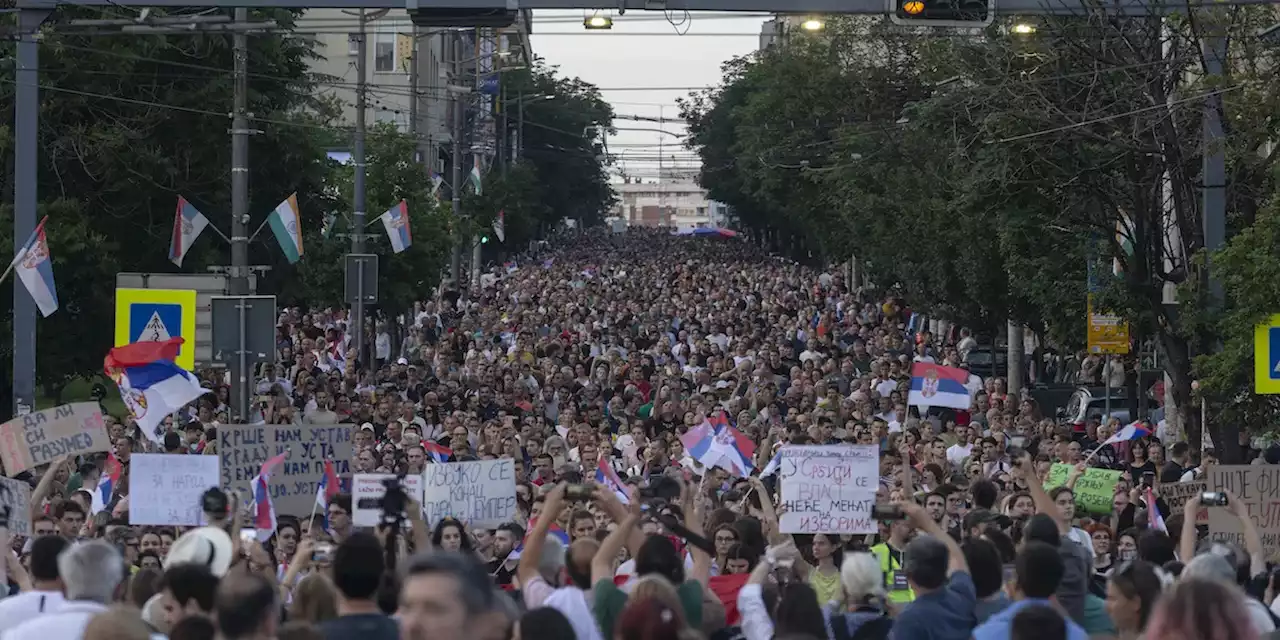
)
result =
(15, 610)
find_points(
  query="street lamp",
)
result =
(1023, 29)
(813, 24)
(597, 22)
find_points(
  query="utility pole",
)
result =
(1016, 356)
(476, 154)
(26, 114)
(239, 285)
(419, 156)
(358, 206)
(455, 173)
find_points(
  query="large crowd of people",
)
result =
(609, 347)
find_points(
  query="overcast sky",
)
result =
(642, 66)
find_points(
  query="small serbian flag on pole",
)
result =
(607, 477)
(106, 484)
(716, 444)
(437, 451)
(1154, 519)
(328, 486)
(1131, 431)
(936, 386)
(187, 225)
(264, 512)
(396, 222)
(150, 384)
(774, 463)
(34, 268)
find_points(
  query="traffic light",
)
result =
(484, 239)
(942, 13)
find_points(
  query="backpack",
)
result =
(873, 629)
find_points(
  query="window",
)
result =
(384, 52)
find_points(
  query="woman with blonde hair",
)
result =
(1201, 609)
(315, 600)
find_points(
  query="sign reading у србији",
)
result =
(829, 488)
(243, 448)
(44, 436)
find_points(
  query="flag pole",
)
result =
(259, 229)
(9, 269)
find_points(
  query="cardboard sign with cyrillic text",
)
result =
(829, 488)
(165, 488)
(481, 494)
(244, 447)
(42, 437)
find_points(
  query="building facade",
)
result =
(677, 203)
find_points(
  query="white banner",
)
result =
(481, 494)
(165, 488)
(829, 489)
(367, 491)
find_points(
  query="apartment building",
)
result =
(680, 203)
(408, 71)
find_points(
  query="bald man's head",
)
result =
(578, 562)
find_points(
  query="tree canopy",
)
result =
(980, 174)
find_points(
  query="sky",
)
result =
(642, 66)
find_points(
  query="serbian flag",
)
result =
(607, 477)
(187, 225)
(396, 222)
(936, 386)
(106, 484)
(500, 226)
(716, 444)
(774, 463)
(1131, 431)
(150, 384)
(437, 451)
(328, 486)
(264, 513)
(31, 264)
(554, 531)
(1154, 519)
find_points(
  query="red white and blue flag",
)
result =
(1154, 519)
(437, 451)
(396, 222)
(1131, 431)
(608, 478)
(264, 512)
(328, 487)
(106, 484)
(34, 268)
(188, 222)
(150, 384)
(715, 443)
(937, 386)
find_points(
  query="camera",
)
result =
(579, 492)
(887, 512)
(394, 501)
(1214, 499)
(323, 552)
(661, 488)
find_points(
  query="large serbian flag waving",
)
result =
(935, 386)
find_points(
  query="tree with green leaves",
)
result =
(975, 174)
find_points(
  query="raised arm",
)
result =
(532, 554)
(918, 518)
(1025, 468)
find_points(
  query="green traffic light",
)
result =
(484, 239)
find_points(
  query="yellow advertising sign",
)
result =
(1108, 334)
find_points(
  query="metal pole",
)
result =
(455, 177)
(520, 129)
(358, 206)
(242, 356)
(1106, 378)
(413, 96)
(475, 156)
(239, 284)
(26, 151)
(1015, 354)
(1215, 205)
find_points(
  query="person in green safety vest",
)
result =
(889, 553)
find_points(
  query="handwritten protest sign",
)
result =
(243, 448)
(481, 494)
(15, 506)
(1095, 490)
(1176, 494)
(367, 491)
(829, 489)
(1258, 487)
(41, 437)
(165, 489)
